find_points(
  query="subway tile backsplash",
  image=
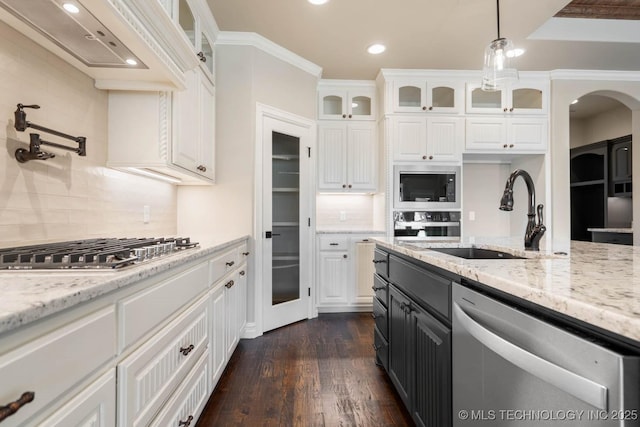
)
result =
(68, 197)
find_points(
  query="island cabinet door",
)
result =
(431, 370)
(399, 343)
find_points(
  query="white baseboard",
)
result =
(251, 331)
(346, 309)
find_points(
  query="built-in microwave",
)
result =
(426, 187)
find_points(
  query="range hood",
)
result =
(122, 44)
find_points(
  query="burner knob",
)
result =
(140, 253)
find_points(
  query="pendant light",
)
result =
(497, 69)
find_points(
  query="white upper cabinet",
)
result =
(524, 97)
(427, 139)
(430, 96)
(347, 157)
(505, 135)
(346, 100)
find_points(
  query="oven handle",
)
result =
(580, 387)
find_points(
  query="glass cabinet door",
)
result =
(480, 101)
(410, 96)
(187, 21)
(332, 106)
(206, 58)
(526, 98)
(361, 106)
(442, 97)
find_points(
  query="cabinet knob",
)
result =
(349, 186)
(430, 157)
(424, 108)
(229, 263)
(202, 168)
(344, 116)
(424, 157)
(505, 109)
(431, 108)
(245, 253)
(511, 110)
(186, 423)
(344, 185)
(344, 256)
(510, 145)
(202, 57)
(505, 146)
(379, 261)
(229, 284)
(350, 116)
(242, 273)
(13, 407)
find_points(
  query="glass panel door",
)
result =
(285, 195)
(187, 21)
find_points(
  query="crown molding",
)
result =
(611, 75)
(237, 38)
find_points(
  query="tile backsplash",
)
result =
(346, 212)
(67, 197)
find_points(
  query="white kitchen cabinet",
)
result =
(524, 97)
(346, 100)
(506, 135)
(217, 348)
(193, 139)
(430, 139)
(94, 406)
(423, 95)
(149, 376)
(345, 273)
(164, 135)
(347, 157)
(52, 364)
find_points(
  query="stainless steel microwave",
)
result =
(426, 187)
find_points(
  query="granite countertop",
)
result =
(611, 230)
(31, 295)
(596, 283)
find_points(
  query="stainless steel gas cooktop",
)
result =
(107, 253)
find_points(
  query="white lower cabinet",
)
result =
(51, 365)
(94, 406)
(149, 376)
(185, 406)
(345, 273)
(218, 327)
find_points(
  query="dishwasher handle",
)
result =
(580, 387)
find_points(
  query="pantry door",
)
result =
(287, 192)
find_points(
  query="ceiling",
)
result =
(430, 34)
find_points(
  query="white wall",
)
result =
(482, 187)
(360, 212)
(607, 125)
(67, 197)
(562, 93)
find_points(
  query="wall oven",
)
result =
(426, 187)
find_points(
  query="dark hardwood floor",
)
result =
(318, 372)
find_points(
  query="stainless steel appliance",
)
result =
(512, 368)
(433, 226)
(426, 187)
(106, 253)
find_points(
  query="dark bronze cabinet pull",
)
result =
(245, 253)
(229, 263)
(186, 350)
(202, 57)
(13, 407)
(377, 288)
(186, 423)
(229, 284)
(379, 261)
(242, 273)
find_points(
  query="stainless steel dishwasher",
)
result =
(511, 368)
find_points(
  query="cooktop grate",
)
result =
(91, 253)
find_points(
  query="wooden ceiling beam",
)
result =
(601, 9)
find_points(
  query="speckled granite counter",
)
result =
(597, 283)
(31, 295)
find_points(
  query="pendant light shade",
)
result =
(498, 55)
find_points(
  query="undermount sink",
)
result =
(476, 253)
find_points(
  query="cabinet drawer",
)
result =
(328, 243)
(380, 317)
(424, 286)
(142, 312)
(187, 403)
(381, 346)
(381, 261)
(381, 289)
(52, 364)
(149, 376)
(94, 406)
(222, 264)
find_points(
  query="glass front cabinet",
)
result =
(519, 98)
(341, 103)
(418, 95)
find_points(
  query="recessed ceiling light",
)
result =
(376, 49)
(318, 1)
(131, 61)
(575, 101)
(71, 8)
